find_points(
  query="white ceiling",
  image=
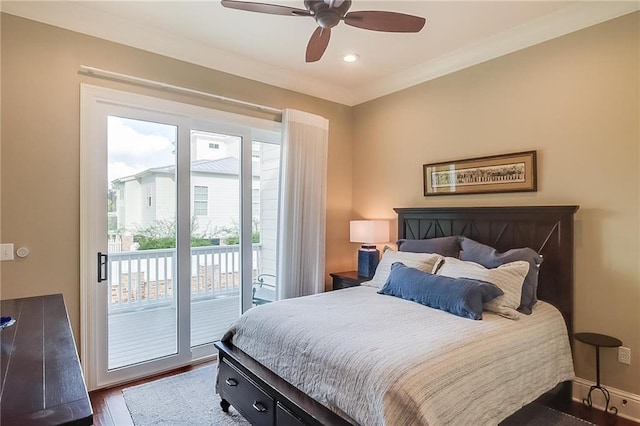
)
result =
(271, 48)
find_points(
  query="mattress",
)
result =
(381, 360)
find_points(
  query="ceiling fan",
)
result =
(328, 14)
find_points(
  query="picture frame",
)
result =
(514, 172)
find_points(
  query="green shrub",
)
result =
(161, 235)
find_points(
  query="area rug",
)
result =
(541, 415)
(186, 399)
(189, 399)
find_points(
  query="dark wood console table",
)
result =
(41, 379)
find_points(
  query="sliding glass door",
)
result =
(178, 227)
(140, 272)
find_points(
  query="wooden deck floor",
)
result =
(152, 333)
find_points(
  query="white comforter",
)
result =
(381, 360)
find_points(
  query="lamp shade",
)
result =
(369, 231)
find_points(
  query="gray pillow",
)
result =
(460, 296)
(473, 251)
(446, 246)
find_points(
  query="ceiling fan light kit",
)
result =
(351, 57)
(328, 14)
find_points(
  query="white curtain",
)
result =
(302, 214)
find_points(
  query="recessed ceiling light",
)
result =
(350, 57)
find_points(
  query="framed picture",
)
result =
(497, 173)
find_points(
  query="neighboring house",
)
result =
(148, 197)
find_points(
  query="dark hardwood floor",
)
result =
(597, 416)
(109, 408)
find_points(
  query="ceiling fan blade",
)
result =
(318, 44)
(272, 9)
(385, 21)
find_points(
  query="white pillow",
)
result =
(421, 261)
(509, 277)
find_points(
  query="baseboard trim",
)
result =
(630, 410)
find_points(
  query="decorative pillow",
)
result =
(446, 246)
(421, 261)
(508, 277)
(462, 297)
(488, 257)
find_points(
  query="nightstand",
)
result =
(347, 279)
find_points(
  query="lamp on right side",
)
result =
(368, 232)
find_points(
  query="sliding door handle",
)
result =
(103, 260)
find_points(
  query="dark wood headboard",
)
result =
(546, 229)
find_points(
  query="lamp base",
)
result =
(368, 257)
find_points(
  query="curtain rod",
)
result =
(165, 86)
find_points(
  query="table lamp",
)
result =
(368, 232)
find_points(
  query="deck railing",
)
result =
(145, 277)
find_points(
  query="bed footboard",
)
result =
(559, 397)
(262, 397)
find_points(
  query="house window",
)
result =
(148, 194)
(200, 200)
(214, 146)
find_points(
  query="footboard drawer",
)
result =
(246, 396)
(285, 418)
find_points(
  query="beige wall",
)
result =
(40, 147)
(575, 101)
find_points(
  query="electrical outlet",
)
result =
(624, 355)
(6, 251)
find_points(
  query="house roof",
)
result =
(222, 166)
(227, 165)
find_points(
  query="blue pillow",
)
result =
(473, 251)
(460, 296)
(446, 246)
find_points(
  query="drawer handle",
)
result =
(259, 407)
(231, 381)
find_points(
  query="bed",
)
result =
(247, 377)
